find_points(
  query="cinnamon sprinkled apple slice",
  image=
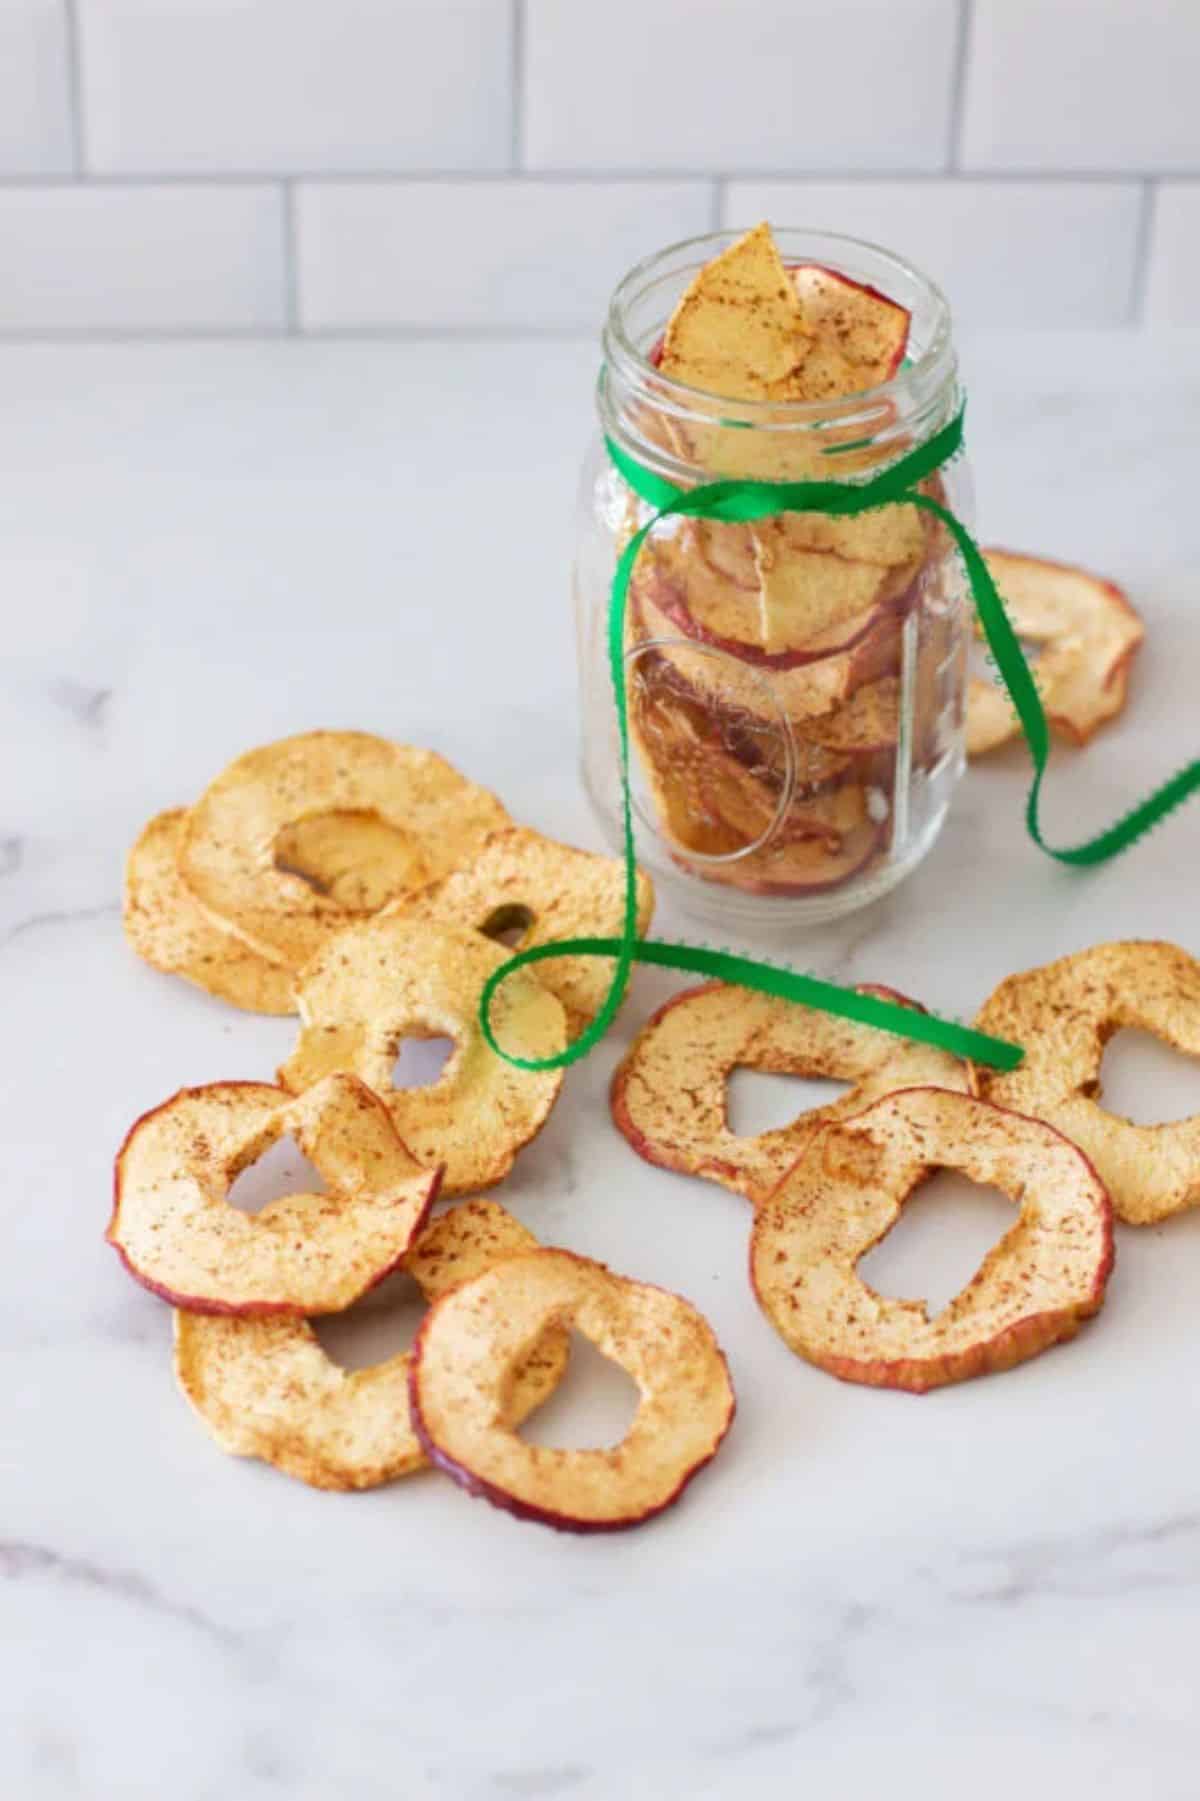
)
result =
(739, 329)
(866, 330)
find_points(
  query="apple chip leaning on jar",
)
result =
(388, 979)
(177, 1233)
(473, 1339)
(295, 840)
(265, 1388)
(1088, 635)
(669, 1093)
(848, 1188)
(1063, 1014)
(168, 928)
(547, 892)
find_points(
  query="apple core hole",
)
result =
(508, 924)
(350, 856)
(943, 1234)
(592, 1408)
(281, 1169)
(759, 1100)
(381, 1325)
(420, 1061)
(1147, 1081)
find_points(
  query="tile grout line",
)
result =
(516, 79)
(1143, 250)
(74, 86)
(600, 177)
(958, 90)
(291, 295)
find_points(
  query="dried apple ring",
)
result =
(176, 1232)
(266, 1389)
(668, 1094)
(847, 1190)
(1090, 634)
(388, 979)
(1064, 1014)
(548, 890)
(259, 847)
(473, 1339)
(168, 928)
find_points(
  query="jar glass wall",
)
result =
(792, 756)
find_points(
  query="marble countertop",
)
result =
(206, 545)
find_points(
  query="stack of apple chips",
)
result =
(765, 704)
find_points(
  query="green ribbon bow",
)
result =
(741, 501)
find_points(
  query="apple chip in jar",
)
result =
(1063, 1014)
(1087, 635)
(473, 1339)
(388, 979)
(178, 1234)
(265, 1388)
(848, 1188)
(669, 1092)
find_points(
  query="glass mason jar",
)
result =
(793, 777)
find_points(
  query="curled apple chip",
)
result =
(473, 1339)
(168, 928)
(520, 881)
(177, 1233)
(260, 847)
(669, 1092)
(1064, 1014)
(1088, 634)
(388, 979)
(847, 1190)
(265, 1388)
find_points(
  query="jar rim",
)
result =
(930, 369)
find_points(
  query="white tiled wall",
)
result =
(348, 165)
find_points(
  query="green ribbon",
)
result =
(738, 501)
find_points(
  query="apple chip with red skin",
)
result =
(1088, 635)
(863, 329)
(265, 1388)
(849, 1187)
(178, 1234)
(548, 891)
(388, 979)
(473, 1339)
(167, 927)
(1063, 1014)
(669, 1092)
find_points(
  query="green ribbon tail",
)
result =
(1015, 673)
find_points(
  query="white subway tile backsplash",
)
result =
(1018, 253)
(480, 254)
(174, 258)
(286, 85)
(1173, 281)
(1083, 85)
(36, 131)
(709, 85)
